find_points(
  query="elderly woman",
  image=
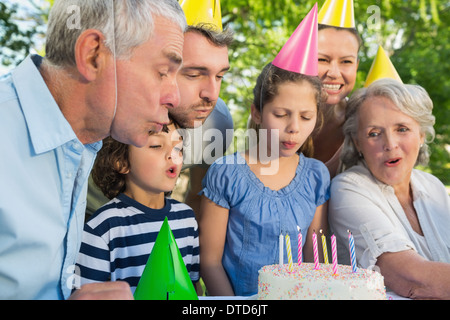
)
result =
(399, 216)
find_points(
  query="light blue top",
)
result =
(258, 214)
(43, 183)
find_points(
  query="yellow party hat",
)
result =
(381, 67)
(337, 13)
(203, 12)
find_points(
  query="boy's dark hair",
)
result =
(112, 159)
(111, 163)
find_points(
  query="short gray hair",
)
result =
(412, 100)
(130, 26)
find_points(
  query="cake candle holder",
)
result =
(324, 248)
(299, 248)
(351, 245)
(315, 251)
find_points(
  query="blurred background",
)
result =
(414, 33)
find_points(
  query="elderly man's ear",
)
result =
(91, 54)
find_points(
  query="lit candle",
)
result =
(316, 253)
(324, 248)
(334, 253)
(289, 253)
(300, 241)
(280, 243)
(351, 245)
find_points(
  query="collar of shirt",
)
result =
(52, 139)
(434, 221)
(418, 189)
(47, 126)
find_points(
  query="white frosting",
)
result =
(305, 283)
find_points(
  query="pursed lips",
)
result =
(289, 144)
(157, 126)
(172, 172)
(203, 109)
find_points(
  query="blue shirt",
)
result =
(43, 184)
(258, 214)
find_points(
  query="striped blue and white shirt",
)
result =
(119, 238)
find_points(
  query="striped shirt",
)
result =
(119, 238)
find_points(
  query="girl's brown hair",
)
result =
(266, 89)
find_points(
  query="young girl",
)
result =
(244, 210)
(119, 237)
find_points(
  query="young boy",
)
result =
(119, 237)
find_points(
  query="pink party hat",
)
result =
(299, 54)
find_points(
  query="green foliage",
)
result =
(415, 33)
(16, 42)
(20, 29)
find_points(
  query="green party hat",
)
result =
(165, 276)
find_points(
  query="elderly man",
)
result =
(205, 62)
(54, 112)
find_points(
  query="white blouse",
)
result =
(371, 211)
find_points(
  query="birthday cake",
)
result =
(305, 283)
